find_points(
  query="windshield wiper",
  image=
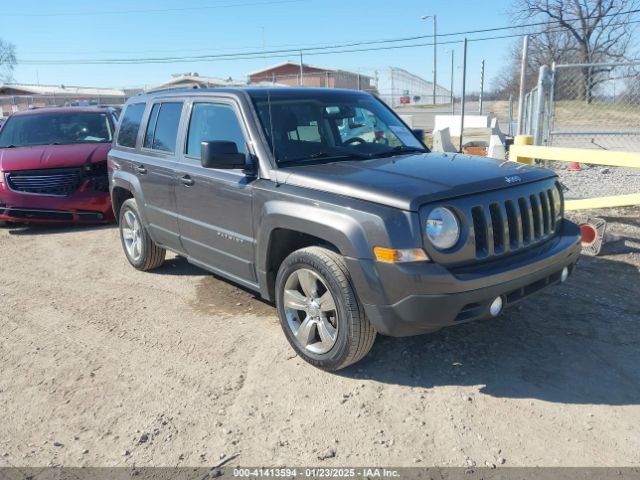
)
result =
(400, 150)
(322, 155)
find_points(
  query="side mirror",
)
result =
(221, 154)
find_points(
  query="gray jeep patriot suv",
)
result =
(324, 202)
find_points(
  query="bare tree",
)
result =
(576, 31)
(597, 31)
(545, 48)
(7, 60)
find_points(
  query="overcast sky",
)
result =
(73, 29)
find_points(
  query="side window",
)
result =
(130, 125)
(151, 126)
(162, 129)
(212, 122)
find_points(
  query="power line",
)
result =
(254, 55)
(356, 42)
(270, 54)
(313, 50)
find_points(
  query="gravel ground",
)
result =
(598, 181)
(102, 365)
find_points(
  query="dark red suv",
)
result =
(53, 165)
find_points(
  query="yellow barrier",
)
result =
(523, 153)
(594, 157)
(522, 140)
(603, 202)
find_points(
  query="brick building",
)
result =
(292, 74)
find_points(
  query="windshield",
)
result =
(330, 127)
(56, 129)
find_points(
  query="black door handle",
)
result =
(141, 170)
(187, 180)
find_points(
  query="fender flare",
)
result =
(131, 183)
(333, 226)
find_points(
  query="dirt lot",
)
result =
(103, 365)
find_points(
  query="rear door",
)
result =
(215, 206)
(155, 168)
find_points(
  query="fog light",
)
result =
(496, 307)
(564, 275)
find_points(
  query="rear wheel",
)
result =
(139, 248)
(319, 311)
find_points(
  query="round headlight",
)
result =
(443, 228)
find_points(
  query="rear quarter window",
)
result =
(162, 130)
(130, 125)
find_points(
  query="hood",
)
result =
(52, 156)
(409, 181)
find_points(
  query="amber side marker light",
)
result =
(391, 255)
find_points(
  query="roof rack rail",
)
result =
(171, 89)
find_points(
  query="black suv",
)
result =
(326, 203)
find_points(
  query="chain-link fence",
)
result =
(594, 106)
(13, 103)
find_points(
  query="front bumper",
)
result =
(410, 299)
(87, 207)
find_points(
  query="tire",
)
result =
(322, 272)
(146, 255)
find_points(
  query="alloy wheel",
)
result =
(311, 311)
(132, 235)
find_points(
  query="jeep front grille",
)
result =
(61, 181)
(510, 225)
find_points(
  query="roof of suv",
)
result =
(252, 91)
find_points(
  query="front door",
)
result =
(214, 206)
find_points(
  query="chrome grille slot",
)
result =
(552, 209)
(480, 231)
(515, 225)
(63, 181)
(525, 217)
(498, 227)
(537, 217)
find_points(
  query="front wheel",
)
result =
(140, 249)
(319, 311)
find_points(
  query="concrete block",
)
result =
(496, 148)
(442, 141)
(452, 122)
(495, 129)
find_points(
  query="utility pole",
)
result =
(435, 40)
(435, 52)
(481, 99)
(453, 100)
(301, 70)
(523, 81)
(393, 88)
(464, 91)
